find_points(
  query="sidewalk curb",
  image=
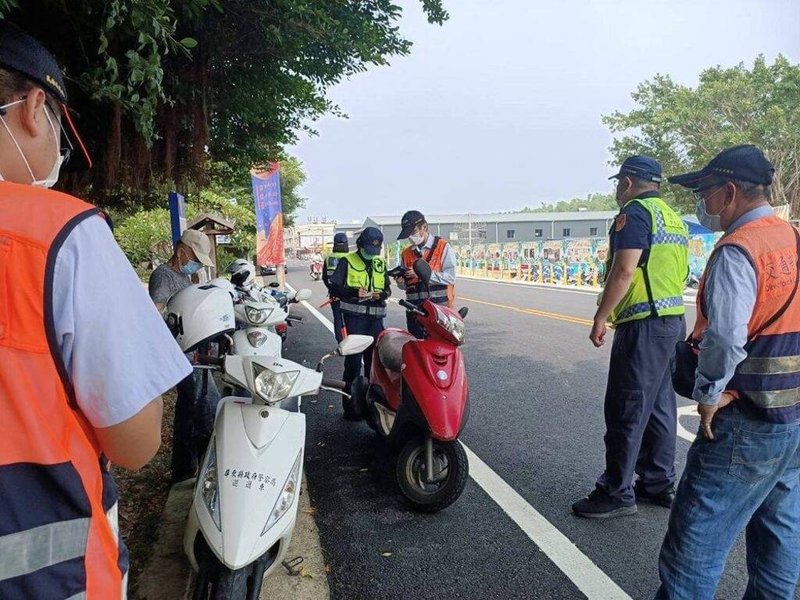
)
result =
(168, 575)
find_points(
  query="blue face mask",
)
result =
(712, 222)
(191, 267)
(366, 255)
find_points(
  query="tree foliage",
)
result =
(685, 127)
(165, 88)
(592, 202)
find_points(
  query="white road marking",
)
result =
(685, 411)
(688, 299)
(578, 567)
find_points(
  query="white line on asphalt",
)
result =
(686, 411)
(688, 299)
(578, 567)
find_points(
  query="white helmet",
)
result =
(224, 284)
(198, 314)
(244, 276)
(234, 266)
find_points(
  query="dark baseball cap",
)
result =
(340, 238)
(21, 53)
(641, 167)
(745, 162)
(370, 240)
(409, 222)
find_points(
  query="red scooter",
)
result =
(417, 399)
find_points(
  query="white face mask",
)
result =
(52, 176)
(416, 238)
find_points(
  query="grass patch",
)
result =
(142, 496)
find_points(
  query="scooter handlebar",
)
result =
(410, 307)
(336, 384)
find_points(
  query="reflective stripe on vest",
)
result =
(358, 276)
(361, 309)
(768, 380)
(48, 450)
(435, 295)
(657, 286)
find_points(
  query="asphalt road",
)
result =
(536, 388)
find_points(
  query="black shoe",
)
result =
(663, 498)
(599, 505)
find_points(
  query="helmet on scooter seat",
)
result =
(244, 275)
(198, 314)
(234, 266)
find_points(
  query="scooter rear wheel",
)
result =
(450, 462)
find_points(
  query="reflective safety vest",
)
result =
(372, 280)
(658, 284)
(58, 503)
(436, 293)
(332, 261)
(768, 380)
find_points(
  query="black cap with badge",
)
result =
(744, 163)
(23, 54)
(409, 223)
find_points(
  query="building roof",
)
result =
(217, 224)
(517, 217)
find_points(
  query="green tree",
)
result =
(167, 88)
(592, 202)
(685, 127)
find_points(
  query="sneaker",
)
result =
(663, 498)
(599, 505)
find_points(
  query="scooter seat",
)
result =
(390, 349)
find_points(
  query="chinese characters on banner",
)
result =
(269, 215)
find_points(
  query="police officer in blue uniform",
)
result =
(362, 286)
(643, 298)
(341, 248)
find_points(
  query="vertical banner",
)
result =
(177, 216)
(269, 215)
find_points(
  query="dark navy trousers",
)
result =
(338, 321)
(640, 407)
(362, 325)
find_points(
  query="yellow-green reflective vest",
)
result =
(332, 261)
(357, 276)
(657, 286)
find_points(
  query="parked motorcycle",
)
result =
(417, 399)
(245, 500)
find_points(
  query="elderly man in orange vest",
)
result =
(743, 470)
(84, 354)
(438, 254)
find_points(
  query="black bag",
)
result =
(684, 363)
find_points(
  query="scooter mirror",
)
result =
(354, 344)
(274, 284)
(422, 270)
(302, 295)
(463, 311)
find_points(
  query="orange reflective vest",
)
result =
(768, 380)
(436, 293)
(58, 507)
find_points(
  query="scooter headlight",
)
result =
(209, 485)
(256, 338)
(257, 316)
(453, 325)
(287, 495)
(273, 386)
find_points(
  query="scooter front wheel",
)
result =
(450, 470)
(218, 582)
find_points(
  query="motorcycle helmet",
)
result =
(234, 266)
(198, 314)
(244, 276)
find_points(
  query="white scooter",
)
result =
(246, 496)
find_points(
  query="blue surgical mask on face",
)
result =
(191, 267)
(712, 222)
(366, 255)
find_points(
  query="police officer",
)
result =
(643, 298)
(341, 248)
(84, 354)
(361, 284)
(438, 254)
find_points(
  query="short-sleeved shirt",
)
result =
(117, 349)
(633, 227)
(164, 282)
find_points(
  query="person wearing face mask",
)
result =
(438, 254)
(646, 272)
(742, 469)
(362, 287)
(84, 355)
(196, 400)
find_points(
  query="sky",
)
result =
(501, 107)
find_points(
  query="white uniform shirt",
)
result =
(117, 349)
